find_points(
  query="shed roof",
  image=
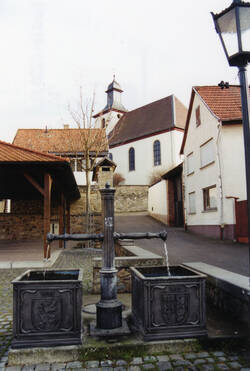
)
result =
(16, 161)
(12, 153)
(153, 118)
(62, 141)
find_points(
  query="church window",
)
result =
(157, 153)
(103, 123)
(131, 158)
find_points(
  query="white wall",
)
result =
(111, 118)
(80, 178)
(144, 165)
(228, 174)
(233, 162)
(157, 199)
(205, 177)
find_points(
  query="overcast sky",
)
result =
(51, 47)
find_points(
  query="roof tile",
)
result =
(225, 103)
(149, 119)
(62, 141)
(12, 153)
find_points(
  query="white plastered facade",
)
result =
(226, 172)
(111, 118)
(170, 143)
(157, 201)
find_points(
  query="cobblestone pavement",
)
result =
(201, 360)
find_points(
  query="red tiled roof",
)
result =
(225, 103)
(62, 141)
(12, 153)
(150, 119)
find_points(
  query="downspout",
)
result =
(184, 195)
(174, 123)
(222, 225)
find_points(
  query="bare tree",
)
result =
(91, 142)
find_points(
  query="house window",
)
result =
(198, 116)
(191, 199)
(131, 155)
(5, 206)
(207, 153)
(110, 155)
(73, 164)
(210, 198)
(190, 163)
(103, 123)
(157, 153)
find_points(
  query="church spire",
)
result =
(114, 101)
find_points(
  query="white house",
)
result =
(144, 142)
(214, 165)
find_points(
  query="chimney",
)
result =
(66, 126)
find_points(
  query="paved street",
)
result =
(186, 247)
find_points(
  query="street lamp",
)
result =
(233, 27)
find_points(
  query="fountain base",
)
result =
(168, 307)
(119, 331)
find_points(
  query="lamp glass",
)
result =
(227, 25)
(244, 14)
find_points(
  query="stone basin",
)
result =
(47, 308)
(168, 307)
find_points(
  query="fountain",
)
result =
(167, 302)
(108, 310)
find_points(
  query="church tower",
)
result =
(113, 110)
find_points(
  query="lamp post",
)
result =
(233, 28)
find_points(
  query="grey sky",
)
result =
(51, 47)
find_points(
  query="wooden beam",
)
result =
(46, 212)
(68, 216)
(34, 183)
(61, 211)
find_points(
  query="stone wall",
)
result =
(126, 257)
(132, 198)
(26, 218)
(227, 303)
(127, 199)
(21, 227)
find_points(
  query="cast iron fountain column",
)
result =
(108, 309)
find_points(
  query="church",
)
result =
(145, 142)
